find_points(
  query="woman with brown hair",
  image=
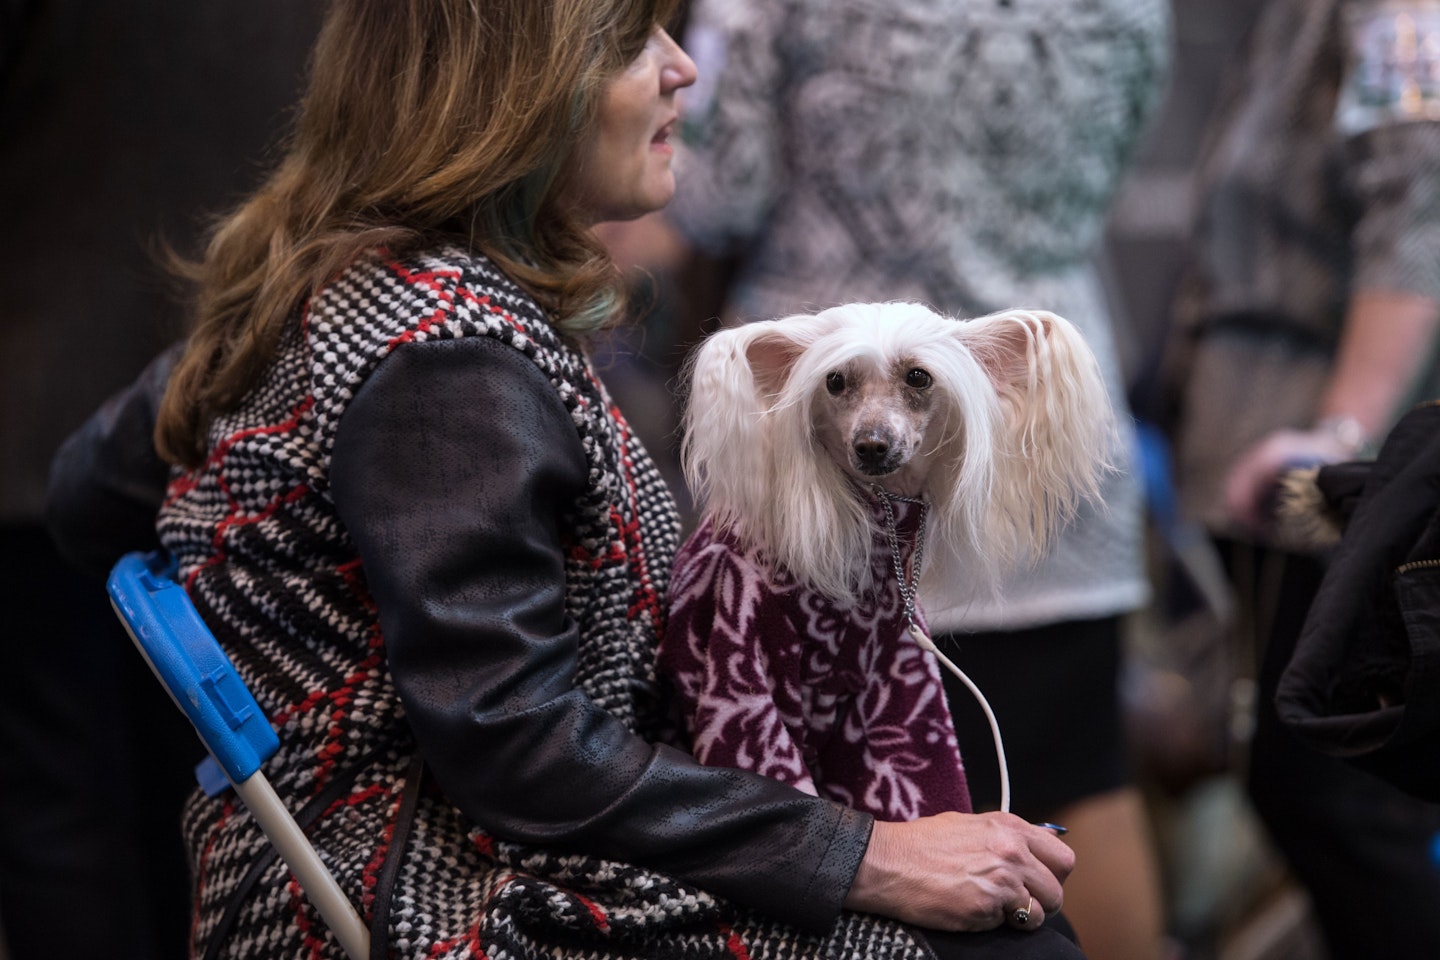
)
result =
(410, 513)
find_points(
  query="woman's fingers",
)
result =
(1057, 859)
(1029, 916)
(962, 872)
(1041, 876)
(1250, 484)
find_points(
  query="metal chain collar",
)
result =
(907, 590)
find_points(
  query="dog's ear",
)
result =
(1015, 345)
(766, 350)
(747, 365)
(746, 451)
(1057, 434)
(772, 354)
(734, 377)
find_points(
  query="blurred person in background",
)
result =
(962, 154)
(1305, 324)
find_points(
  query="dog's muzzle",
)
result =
(874, 455)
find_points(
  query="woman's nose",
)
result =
(679, 70)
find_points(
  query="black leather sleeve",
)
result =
(107, 481)
(452, 468)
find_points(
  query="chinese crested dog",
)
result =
(838, 459)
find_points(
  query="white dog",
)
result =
(832, 454)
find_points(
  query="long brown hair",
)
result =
(423, 121)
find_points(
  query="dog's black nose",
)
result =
(872, 451)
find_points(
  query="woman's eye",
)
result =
(919, 379)
(835, 383)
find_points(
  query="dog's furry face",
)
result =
(1002, 423)
(881, 421)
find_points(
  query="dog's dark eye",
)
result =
(919, 379)
(835, 383)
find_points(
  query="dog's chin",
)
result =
(873, 472)
(892, 479)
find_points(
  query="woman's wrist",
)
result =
(877, 873)
(1346, 432)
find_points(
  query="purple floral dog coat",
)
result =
(833, 697)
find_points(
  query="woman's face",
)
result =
(623, 172)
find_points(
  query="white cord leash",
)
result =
(907, 595)
(924, 641)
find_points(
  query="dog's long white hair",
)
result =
(1027, 436)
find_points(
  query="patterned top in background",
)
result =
(955, 152)
(1320, 176)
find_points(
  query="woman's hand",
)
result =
(962, 871)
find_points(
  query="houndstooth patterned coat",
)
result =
(272, 569)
